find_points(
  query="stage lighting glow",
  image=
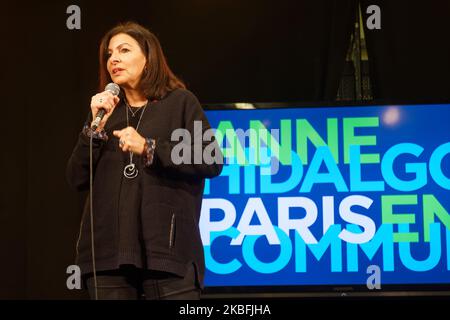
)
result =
(391, 116)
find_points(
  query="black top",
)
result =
(132, 253)
(150, 221)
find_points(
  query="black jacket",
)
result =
(151, 221)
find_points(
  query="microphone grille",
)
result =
(113, 88)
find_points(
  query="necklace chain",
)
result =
(130, 171)
(137, 126)
(131, 110)
(133, 113)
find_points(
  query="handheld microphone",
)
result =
(115, 90)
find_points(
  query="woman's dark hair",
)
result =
(158, 80)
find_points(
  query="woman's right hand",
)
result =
(103, 100)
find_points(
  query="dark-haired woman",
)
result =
(146, 204)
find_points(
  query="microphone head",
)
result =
(113, 88)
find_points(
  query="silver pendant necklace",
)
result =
(130, 171)
(133, 114)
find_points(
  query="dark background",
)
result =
(225, 51)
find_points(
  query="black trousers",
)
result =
(130, 283)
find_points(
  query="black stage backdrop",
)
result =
(225, 51)
(410, 55)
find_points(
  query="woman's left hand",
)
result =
(130, 140)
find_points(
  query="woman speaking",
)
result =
(145, 240)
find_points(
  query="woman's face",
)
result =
(126, 61)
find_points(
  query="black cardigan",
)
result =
(151, 221)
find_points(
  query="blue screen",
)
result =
(329, 196)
